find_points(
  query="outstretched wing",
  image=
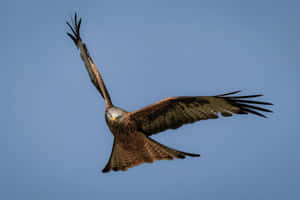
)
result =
(88, 62)
(173, 112)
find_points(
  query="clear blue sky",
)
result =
(54, 140)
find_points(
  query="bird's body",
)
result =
(131, 130)
(132, 147)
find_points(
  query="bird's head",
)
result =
(115, 114)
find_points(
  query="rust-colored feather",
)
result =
(123, 158)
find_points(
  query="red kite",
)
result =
(131, 130)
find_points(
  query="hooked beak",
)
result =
(113, 119)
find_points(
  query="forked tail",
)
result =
(122, 159)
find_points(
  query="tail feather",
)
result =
(122, 159)
(172, 152)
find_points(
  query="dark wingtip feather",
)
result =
(75, 29)
(181, 156)
(230, 93)
(243, 97)
(78, 27)
(254, 102)
(72, 37)
(254, 112)
(192, 154)
(253, 107)
(75, 17)
(245, 105)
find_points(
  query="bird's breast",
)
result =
(121, 127)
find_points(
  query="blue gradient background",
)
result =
(54, 140)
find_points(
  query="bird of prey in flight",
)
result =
(131, 130)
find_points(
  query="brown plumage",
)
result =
(132, 144)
